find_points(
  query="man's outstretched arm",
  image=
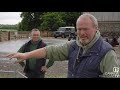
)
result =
(38, 53)
(53, 52)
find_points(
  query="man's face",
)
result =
(85, 30)
(35, 35)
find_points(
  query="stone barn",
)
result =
(109, 23)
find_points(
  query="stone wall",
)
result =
(4, 36)
(111, 28)
(46, 33)
(10, 35)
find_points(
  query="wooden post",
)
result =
(9, 35)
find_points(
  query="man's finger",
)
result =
(14, 55)
(10, 55)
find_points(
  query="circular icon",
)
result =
(116, 69)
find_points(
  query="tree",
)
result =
(70, 18)
(29, 21)
(51, 21)
(47, 20)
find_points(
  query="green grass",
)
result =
(8, 30)
(6, 75)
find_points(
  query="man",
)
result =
(88, 57)
(34, 68)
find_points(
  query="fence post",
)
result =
(8, 35)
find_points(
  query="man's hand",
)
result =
(44, 69)
(20, 57)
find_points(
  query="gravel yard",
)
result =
(10, 70)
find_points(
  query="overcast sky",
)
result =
(10, 17)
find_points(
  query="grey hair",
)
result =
(92, 18)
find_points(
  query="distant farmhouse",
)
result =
(109, 22)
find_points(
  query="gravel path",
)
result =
(58, 70)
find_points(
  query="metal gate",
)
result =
(8, 69)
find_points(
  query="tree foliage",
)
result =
(70, 18)
(51, 21)
(47, 20)
(8, 26)
(29, 21)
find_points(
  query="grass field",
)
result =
(8, 30)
